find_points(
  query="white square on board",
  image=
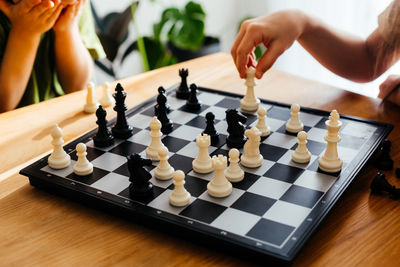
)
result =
(269, 187)
(235, 221)
(287, 213)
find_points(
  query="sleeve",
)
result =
(389, 24)
(88, 33)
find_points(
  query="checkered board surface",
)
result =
(272, 211)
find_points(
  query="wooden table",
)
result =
(41, 229)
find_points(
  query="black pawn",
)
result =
(162, 97)
(380, 184)
(210, 128)
(182, 92)
(103, 137)
(121, 128)
(235, 121)
(384, 161)
(192, 103)
(166, 123)
(139, 177)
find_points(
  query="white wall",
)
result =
(357, 16)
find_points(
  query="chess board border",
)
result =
(124, 206)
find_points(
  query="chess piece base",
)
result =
(179, 200)
(182, 94)
(249, 106)
(201, 167)
(234, 177)
(122, 133)
(251, 162)
(167, 128)
(103, 142)
(59, 163)
(164, 175)
(330, 166)
(295, 128)
(83, 171)
(140, 191)
(219, 190)
(301, 158)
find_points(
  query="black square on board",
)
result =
(91, 178)
(279, 113)
(203, 211)
(229, 103)
(92, 154)
(315, 148)
(270, 231)
(174, 144)
(248, 180)
(220, 151)
(284, 173)
(128, 148)
(145, 199)
(253, 203)
(202, 108)
(194, 185)
(180, 162)
(302, 196)
(282, 129)
(272, 153)
(123, 170)
(250, 119)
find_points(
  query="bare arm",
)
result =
(346, 55)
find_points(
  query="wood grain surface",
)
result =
(37, 228)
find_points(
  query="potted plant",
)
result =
(178, 36)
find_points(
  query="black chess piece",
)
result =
(139, 177)
(162, 97)
(210, 128)
(235, 120)
(166, 123)
(192, 103)
(182, 92)
(380, 184)
(103, 137)
(384, 161)
(121, 128)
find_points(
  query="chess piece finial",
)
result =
(179, 196)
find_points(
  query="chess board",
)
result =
(272, 212)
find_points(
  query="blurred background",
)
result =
(153, 33)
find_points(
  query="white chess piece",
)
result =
(219, 186)
(251, 157)
(330, 161)
(261, 122)
(202, 163)
(164, 170)
(294, 125)
(301, 154)
(59, 159)
(106, 100)
(91, 101)
(234, 173)
(156, 144)
(83, 166)
(249, 102)
(179, 196)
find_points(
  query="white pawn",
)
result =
(164, 170)
(83, 166)
(59, 159)
(251, 157)
(301, 154)
(294, 125)
(234, 173)
(202, 163)
(219, 186)
(180, 196)
(91, 101)
(249, 102)
(330, 161)
(261, 122)
(106, 100)
(156, 144)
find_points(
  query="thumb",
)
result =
(5, 7)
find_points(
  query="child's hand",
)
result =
(276, 31)
(32, 17)
(69, 16)
(391, 83)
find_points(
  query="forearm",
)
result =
(73, 62)
(345, 55)
(16, 68)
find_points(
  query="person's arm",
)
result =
(73, 62)
(29, 19)
(346, 55)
